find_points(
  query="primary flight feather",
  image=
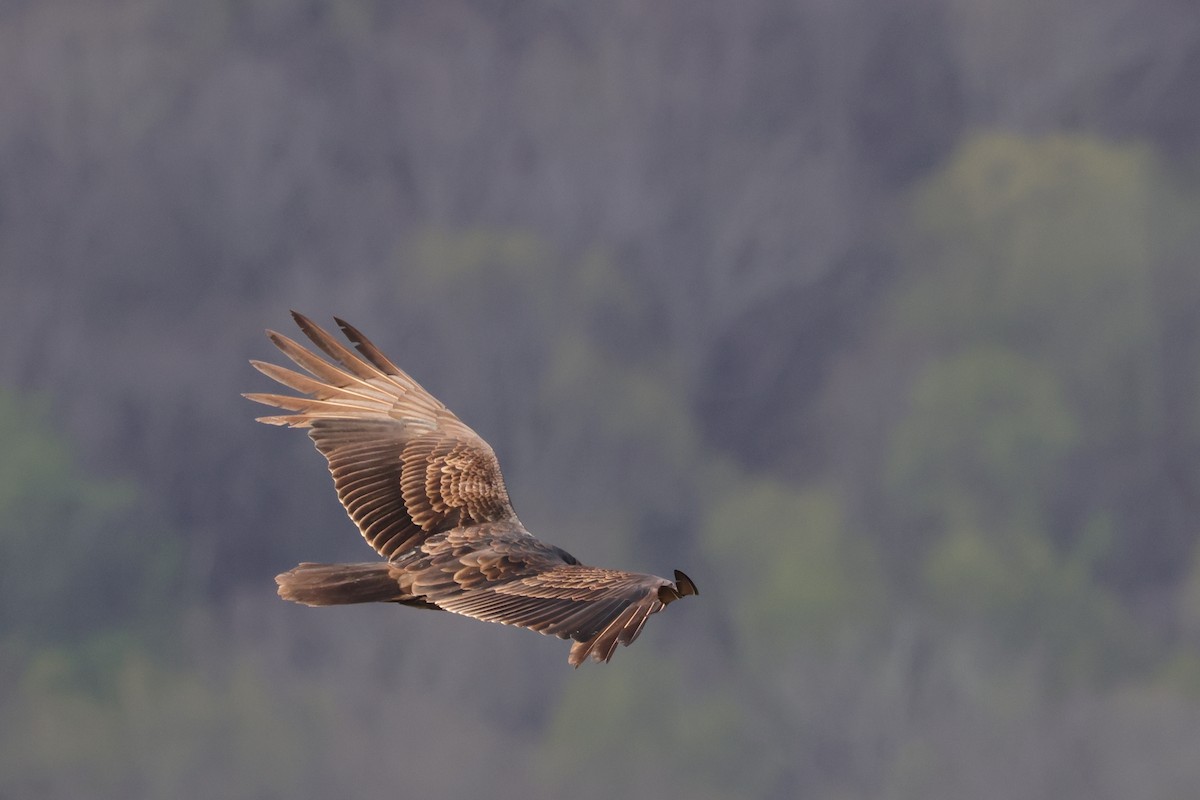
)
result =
(426, 492)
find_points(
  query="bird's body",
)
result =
(427, 493)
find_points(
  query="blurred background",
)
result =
(880, 319)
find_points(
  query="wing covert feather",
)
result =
(501, 574)
(404, 465)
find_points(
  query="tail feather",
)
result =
(339, 584)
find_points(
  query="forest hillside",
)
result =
(879, 319)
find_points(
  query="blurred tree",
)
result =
(1053, 249)
(78, 554)
(791, 572)
(150, 731)
(984, 424)
(613, 732)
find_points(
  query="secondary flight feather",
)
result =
(426, 492)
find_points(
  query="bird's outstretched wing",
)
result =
(404, 465)
(500, 573)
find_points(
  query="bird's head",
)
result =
(682, 587)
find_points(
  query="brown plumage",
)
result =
(426, 492)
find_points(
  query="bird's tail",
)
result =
(339, 584)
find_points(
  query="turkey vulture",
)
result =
(426, 492)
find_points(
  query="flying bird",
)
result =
(426, 492)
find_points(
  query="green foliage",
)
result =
(632, 409)
(1189, 606)
(1023, 591)
(657, 727)
(521, 276)
(77, 554)
(86, 574)
(985, 426)
(453, 258)
(790, 569)
(1047, 246)
(150, 731)
(1033, 292)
